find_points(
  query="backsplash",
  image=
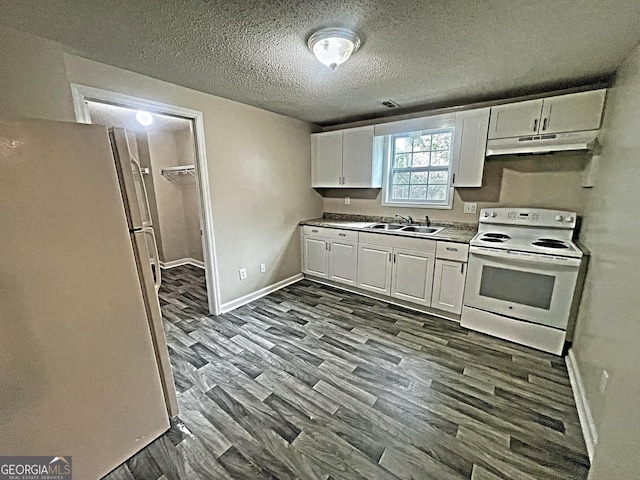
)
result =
(543, 181)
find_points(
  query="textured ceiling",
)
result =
(420, 54)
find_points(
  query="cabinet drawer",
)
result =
(330, 233)
(452, 251)
(316, 231)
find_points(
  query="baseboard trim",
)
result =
(584, 412)
(238, 302)
(182, 261)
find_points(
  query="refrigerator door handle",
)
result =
(154, 258)
(145, 212)
(132, 185)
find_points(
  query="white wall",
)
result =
(33, 80)
(259, 162)
(608, 328)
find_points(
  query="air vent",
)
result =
(390, 104)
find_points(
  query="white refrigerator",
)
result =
(84, 366)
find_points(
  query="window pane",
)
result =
(420, 160)
(422, 143)
(441, 141)
(438, 177)
(401, 178)
(418, 177)
(402, 160)
(418, 192)
(437, 192)
(440, 159)
(402, 144)
(400, 193)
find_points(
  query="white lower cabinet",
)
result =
(448, 285)
(400, 267)
(421, 271)
(374, 268)
(343, 261)
(315, 261)
(450, 276)
(330, 253)
(412, 276)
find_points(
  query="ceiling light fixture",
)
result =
(144, 118)
(333, 46)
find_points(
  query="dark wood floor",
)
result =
(312, 382)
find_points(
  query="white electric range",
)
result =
(522, 275)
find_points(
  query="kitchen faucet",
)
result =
(427, 222)
(407, 219)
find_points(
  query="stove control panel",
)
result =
(538, 217)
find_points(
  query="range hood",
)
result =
(541, 144)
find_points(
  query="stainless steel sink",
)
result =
(406, 228)
(385, 226)
(423, 230)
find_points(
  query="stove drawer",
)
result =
(458, 252)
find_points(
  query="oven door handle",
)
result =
(512, 255)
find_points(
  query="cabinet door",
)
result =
(515, 119)
(448, 285)
(343, 261)
(469, 148)
(315, 256)
(357, 158)
(374, 268)
(326, 159)
(412, 276)
(573, 112)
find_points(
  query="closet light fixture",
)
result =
(333, 46)
(144, 118)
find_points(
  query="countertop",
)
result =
(453, 232)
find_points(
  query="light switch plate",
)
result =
(347, 200)
(470, 207)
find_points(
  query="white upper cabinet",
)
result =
(573, 112)
(345, 158)
(515, 119)
(358, 169)
(326, 157)
(469, 148)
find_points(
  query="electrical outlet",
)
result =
(347, 200)
(603, 381)
(263, 267)
(243, 273)
(470, 207)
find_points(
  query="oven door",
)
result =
(535, 288)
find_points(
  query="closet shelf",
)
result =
(179, 170)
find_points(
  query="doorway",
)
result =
(168, 141)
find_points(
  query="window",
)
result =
(419, 169)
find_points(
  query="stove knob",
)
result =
(569, 219)
(494, 214)
(558, 218)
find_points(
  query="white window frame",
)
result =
(434, 123)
